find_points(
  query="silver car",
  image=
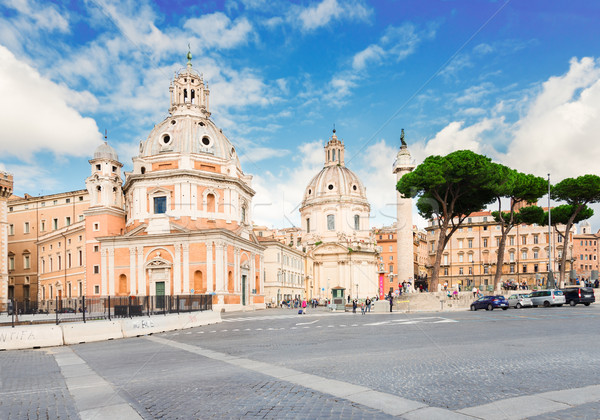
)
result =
(547, 298)
(519, 301)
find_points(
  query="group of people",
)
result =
(365, 305)
(588, 283)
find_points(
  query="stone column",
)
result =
(141, 273)
(219, 266)
(133, 286)
(237, 279)
(404, 246)
(209, 268)
(177, 270)
(186, 268)
(111, 271)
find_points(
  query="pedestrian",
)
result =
(348, 298)
(304, 306)
(474, 291)
(455, 294)
(363, 307)
(391, 302)
(354, 305)
(368, 303)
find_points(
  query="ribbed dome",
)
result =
(188, 134)
(104, 151)
(335, 182)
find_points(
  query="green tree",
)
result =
(577, 193)
(519, 188)
(565, 215)
(449, 189)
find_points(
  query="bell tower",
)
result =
(189, 93)
(334, 151)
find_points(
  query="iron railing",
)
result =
(104, 307)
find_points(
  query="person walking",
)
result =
(391, 302)
(304, 306)
(368, 303)
(354, 305)
(362, 307)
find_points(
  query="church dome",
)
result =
(187, 134)
(335, 182)
(104, 151)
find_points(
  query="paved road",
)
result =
(530, 363)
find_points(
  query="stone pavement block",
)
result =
(387, 403)
(514, 408)
(94, 396)
(115, 412)
(574, 396)
(338, 388)
(84, 381)
(435, 413)
(72, 371)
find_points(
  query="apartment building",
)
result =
(469, 258)
(284, 275)
(45, 242)
(586, 252)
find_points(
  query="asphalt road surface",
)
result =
(540, 363)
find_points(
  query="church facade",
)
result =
(180, 223)
(335, 230)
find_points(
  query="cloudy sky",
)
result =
(516, 80)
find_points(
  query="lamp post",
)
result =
(550, 283)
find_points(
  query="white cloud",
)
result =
(216, 30)
(278, 196)
(42, 15)
(456, 136)
(256, 154)
(321, 14)
(35, 113)
(559, 132)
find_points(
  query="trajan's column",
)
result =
(6, 187)
(404, 246)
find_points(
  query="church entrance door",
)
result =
(244, 289)
(160, 294)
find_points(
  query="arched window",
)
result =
(356, 222)
(243, 214)
(333, 153)
(330, 222)
(210, 203)
(143, 170)
(193, 99)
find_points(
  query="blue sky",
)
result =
(516, 80)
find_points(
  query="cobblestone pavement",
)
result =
(31, 387)
(447, 361)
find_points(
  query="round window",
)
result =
(173, 122)
(330, 186)
(205, 141)
(166, 139)
(201, 124)
(354, 188)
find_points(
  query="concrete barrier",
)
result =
(30, 336)
(136, 327)
(75, 333)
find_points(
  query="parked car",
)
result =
(552, 297)
(575, 295)
(489, 303)
(519, 300)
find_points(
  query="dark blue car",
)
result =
(489, 303)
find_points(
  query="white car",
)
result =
(547, 298)
(519, 301)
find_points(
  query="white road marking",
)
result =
(307, 323)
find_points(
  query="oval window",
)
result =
(354, 187)
(205, 141)
(173, 122)
(309, 192)
(166, 139)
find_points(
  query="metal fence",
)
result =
(105, 307)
